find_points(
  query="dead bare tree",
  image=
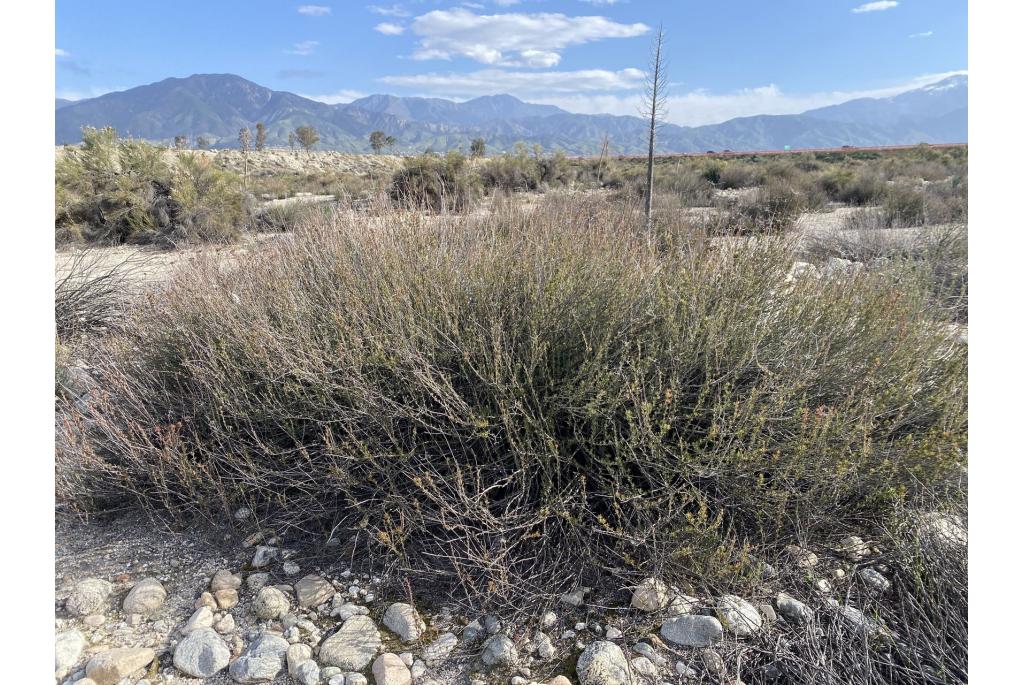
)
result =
(654, 105)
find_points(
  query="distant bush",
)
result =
(522, 170)
(551, 388)
(112, 190)
(903, 205)
(435, 183)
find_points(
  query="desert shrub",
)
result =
(113, 190)
(736, 175)
(865, 188)
(511, 401)
(522, 170)
(434, 183)
(770, 209)
(90, 293)
(903, 206)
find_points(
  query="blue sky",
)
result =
(726, 58)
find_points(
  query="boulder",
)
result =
(88, 597)
(603, 663)
(692, 630)
(68, 647)
(261, 661)
(270, 603)
(201, 654)
(389, 669)
(651, 595)
(312, 591)
(738, 616)
(405, 621)
(114, 665)
(354, 645)
(146, 597)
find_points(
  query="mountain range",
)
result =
(216, 106)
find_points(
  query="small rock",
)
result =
(768, 612)
(94, 620)
(353, 646)
(257, 581)
(942, 529)
(405, 621)
(574, 598)
(873, 579)
(69, 647)
(438, 650)
(647, 651)
(793, 610)
(243, 513)
(328, 672)
(308, 673)
(290, 568)
(713, 663)
(225, 625)
(201, 654)
(644, 667)
(270, 603)
(548, 619)
(853, 548)
(201, 618)
(684, 671)
(650, 595)
(858, 621)
(738, 615)
(473, 631)
(261, 661)
(205, 600)
(355, 679)
(804, 558)
(88, 597)
(226, 599)
(297, 655)
(492, 624)
(559, 680)
(692, 630)
(388, 669)
(418, 669)
(681, 605)
(145, 598)
(499, 650)
(225, 580)
(545, 648)
(407, 658)
(603, 663)
(823, 586)
(113, 665)
(313, 591)
(263, 556)
(612, 633)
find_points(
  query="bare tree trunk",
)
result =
(654, 102)
(601, 163)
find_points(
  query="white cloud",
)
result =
(520, 83)
(510, 40)
(389, 29)
(389, 11)
(314, 10)
(506, 3)
(340, 97)
(879, 6)
(923, 34)
(306, 47)
(62, 53)
(603, 2)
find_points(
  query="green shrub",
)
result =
(512, 400)
(434, 183)
(903, 206)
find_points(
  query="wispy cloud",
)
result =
(521, 83)
(62, 53)
(306, 47)
(389, 29)
(923, 34)
(879, 6)
(314, 10)
(389, 10)
(604, 2)
(510, 40)
(337, 98)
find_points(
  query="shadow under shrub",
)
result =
(507, 403)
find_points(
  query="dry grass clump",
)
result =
(435, 183)
(508, 402)
(112, 190)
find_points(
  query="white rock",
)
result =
(793, 610)
(270, 603)
(647, 651)
(313, 591)
(225, 580)
(873, 579)
(261, 661)
(804, 558)
(263, 556)
(693, 630)
(114, 665)
(405, 621)
(226, 599)
(499, 650)
(548, 619)
(308, 673)
(681, 604)
(68, 648)
(612, 633)
(355, 679)
(438, 650)
(418, 669)
(853, 548)
(225, 625)
(942, 529)
(290, 568)
(201, 618)
(88, 597)
(201, 654)
(739, 616)
(603, 663)
(389, 669)
(353, 646)
(643, 666)
(297, 655)
(650, 595)
(146, 597)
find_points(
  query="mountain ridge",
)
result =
(216, 106)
